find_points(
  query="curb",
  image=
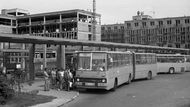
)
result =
(58, 104)
(69, 100)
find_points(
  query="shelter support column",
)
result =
(60, 26)
(81, 48)
(2, 46)
(31, 61)
(23, 58)
(61, 56)
(44, 56)
(44, 46)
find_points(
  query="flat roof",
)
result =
(165, 18)
(57, 13)
(7, 16)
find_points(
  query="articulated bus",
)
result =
(171, 63)
(108, 69)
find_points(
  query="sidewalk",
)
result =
(62, 97)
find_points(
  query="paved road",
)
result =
(165, 90)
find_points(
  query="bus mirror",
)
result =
(101, 69)
(110, 59)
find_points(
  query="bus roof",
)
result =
(104, 52)
(169, 55)
(147, 53)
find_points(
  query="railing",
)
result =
(37, 23)
(65, 35)
(47, 59)
(69, 20)
(23, 24)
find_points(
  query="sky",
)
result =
(112, 11)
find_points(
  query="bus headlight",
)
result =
(103, 80)
(78, 79)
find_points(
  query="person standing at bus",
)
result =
(53, 78)
(46, 80)
(57, 78)
(61, 79)
(67, 79)
(71, 79)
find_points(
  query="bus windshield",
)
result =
(84, 61)
(98, 62)
(92, 61)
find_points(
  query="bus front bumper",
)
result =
(91, 85)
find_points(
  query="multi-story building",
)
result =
(145, 30)
(71, 24)
(12, 51)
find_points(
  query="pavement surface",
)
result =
(165, 90)
(62, 97)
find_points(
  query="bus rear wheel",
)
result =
(171, 71)
(149, 77)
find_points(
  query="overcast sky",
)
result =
(112, 11)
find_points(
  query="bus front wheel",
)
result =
(171, 71)
(115, 85)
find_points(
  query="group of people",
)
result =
(60, 79)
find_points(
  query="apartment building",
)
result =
(145, 30)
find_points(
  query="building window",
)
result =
(89, 37)
(103, 28)
(160, 23)
(188, 29)
(186, 21)
(188, 37)
(122, 27)
(136, 24)
(144, 24)
(115, 27)
(177, 22)
(169, 22)
(152, 23)
(128, 24)
(89, 28)
(109, 28)
(177, 45)
(14, 22)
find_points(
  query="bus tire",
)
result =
(115, 85)
(171, 71)
(129, 79)
(149, 77)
